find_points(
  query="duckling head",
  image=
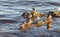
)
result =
(33, 9)
(49, 16)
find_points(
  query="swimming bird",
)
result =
(23, 27)
(55, 14)
(48, 21)
(36, 14)
(33, 14)
(27, 24)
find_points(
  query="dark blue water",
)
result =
(15, 9)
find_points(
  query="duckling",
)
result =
(35, 14)
(54, 14)
(57, 14)
(29, 22)
(23, 27)
(49, 22)
(39, 23)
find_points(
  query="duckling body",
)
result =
(39, 23)
(34, 13)
(23, 27)
(57, 14)
(30, 23)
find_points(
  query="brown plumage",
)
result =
(26, 25)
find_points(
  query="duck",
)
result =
(55, 14)
(36, 14)
(25, 25)
(39, 23)
(33, 14)
(48, 21)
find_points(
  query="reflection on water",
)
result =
(15, 9)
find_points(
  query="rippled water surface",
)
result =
(15, 9)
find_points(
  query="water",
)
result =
(14, 9)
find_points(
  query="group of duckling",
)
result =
(34, 15)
